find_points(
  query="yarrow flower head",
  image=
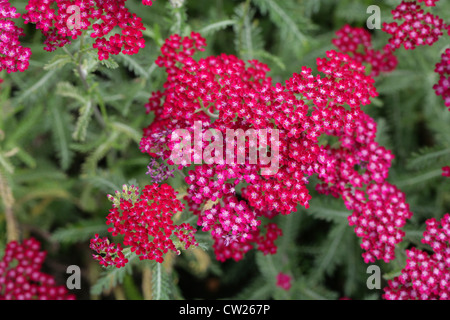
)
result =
(379, 209)
(240, 96)
(13, 57)
(21, 277)
(442, 88)
(69, 19)
(284, 281)
(425, 276)
(145, 220)
(417, 27)
(446, 171)
(357, 42)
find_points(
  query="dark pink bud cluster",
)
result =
(416, 29)
(284, 281)
(61, 21)
(425, 276)
(145, 222)
(158, 172)
(442, 88)
(13, 57)
(156, 137)
(446, 171)
(21, 277)
(357, 43)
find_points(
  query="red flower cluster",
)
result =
(442, 88)
(68, 20)
(242, 97)
(108, 253)
(359, 175)
(421, 28)
(145, 222)
(284, 281)
(13, 57)
(266, 243)
(446, 171)
(418, 28)
(425, 276)
(420, 280)
(232, 247)
(378, 219)
(357, 42)
(21, 277)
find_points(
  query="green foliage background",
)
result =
(67, 141)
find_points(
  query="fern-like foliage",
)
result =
(70, 128)
(112, 276)
(81, 231)
(61, 135)
(429, 158)
(161, 286)
(248, 33)
(281, 14)
(214, 27)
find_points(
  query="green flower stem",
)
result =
(12, 233)
(147, 282)
(206, 110)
